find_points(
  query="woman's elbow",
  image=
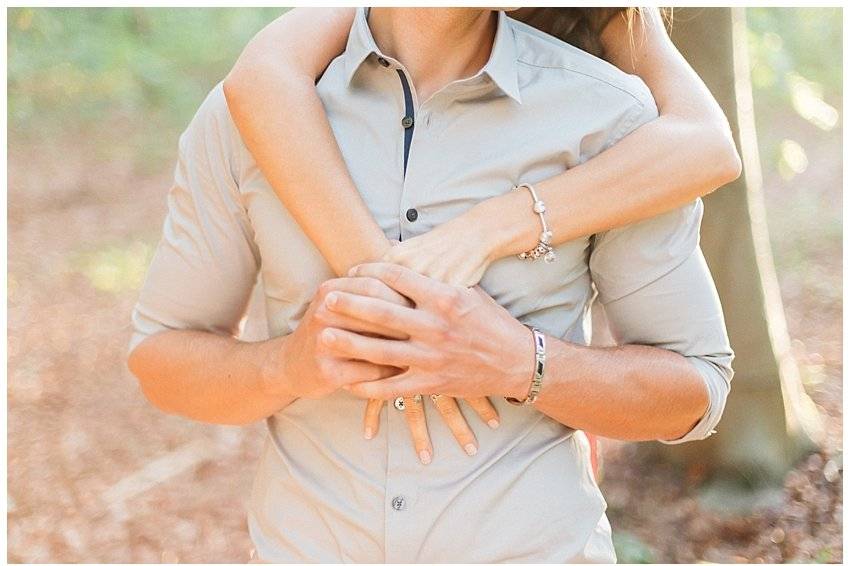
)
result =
(726, 165)
(731, 166)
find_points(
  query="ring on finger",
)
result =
(417, 398)
(435, 397)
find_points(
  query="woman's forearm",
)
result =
(207, 377)
(687, 152)
(272, 97)
(658, 167)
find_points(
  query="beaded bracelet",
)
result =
(543, 248)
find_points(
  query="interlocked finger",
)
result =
(485, 409)
(372, 418)
(414, 413)
(456, 422)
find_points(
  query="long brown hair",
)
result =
(581, 27)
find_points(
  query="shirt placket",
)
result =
(408, 213)
(403, 468)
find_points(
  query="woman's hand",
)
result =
(457, 252)
(414, 413)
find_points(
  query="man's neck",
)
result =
(437, 45)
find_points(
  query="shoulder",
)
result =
(537, 50)
(212, 135)
(213, 116)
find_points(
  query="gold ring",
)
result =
(417, 398)
(435, 397)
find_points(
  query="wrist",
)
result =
(493, 230)
(519, 369)
(512, 228)
(272, 367)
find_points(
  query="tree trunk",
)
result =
(769, 421)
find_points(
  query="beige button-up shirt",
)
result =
(538, 107)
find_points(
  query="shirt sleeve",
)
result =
(206, 262)
(678, 310)
(655, 287)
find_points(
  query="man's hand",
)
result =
(460, 341)
(313, 368)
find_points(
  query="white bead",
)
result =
(539, 207)
(549, 257)
(546, 236)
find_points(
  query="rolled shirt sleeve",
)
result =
(206, 262)
(656, 290)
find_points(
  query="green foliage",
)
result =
(630, 549)
(804, 41)
(96, 70)
(796, 62)
(114, 268)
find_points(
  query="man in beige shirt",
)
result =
(324, 494)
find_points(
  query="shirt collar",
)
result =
(501, 67)
(360, 44)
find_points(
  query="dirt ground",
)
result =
(96, 474)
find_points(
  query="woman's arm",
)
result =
(685, 153)
(278, 69)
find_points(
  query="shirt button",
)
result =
(383, 62)
(407, 122)
(412, 214)
(398, 403)
(398, 503)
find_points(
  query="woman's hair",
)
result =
(581, 27)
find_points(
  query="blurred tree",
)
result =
(769, 421)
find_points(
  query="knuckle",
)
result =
(449, 301)
(328, 337)
(447, 409)
(393, 273)
(324, 288)
(442, 330)
(326, 369)
(381, 315)
(392, 255)
(373, 288)
(413, 411)
(322, 315)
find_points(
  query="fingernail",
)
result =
(328, 336)
(425, 457)
(330, 300)
(471, 449)
(493, 423)
(367, 434)
(352, 271)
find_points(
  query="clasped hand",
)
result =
(386, 331)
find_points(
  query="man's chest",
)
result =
(419, 165)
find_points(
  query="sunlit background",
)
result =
(97, 99)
